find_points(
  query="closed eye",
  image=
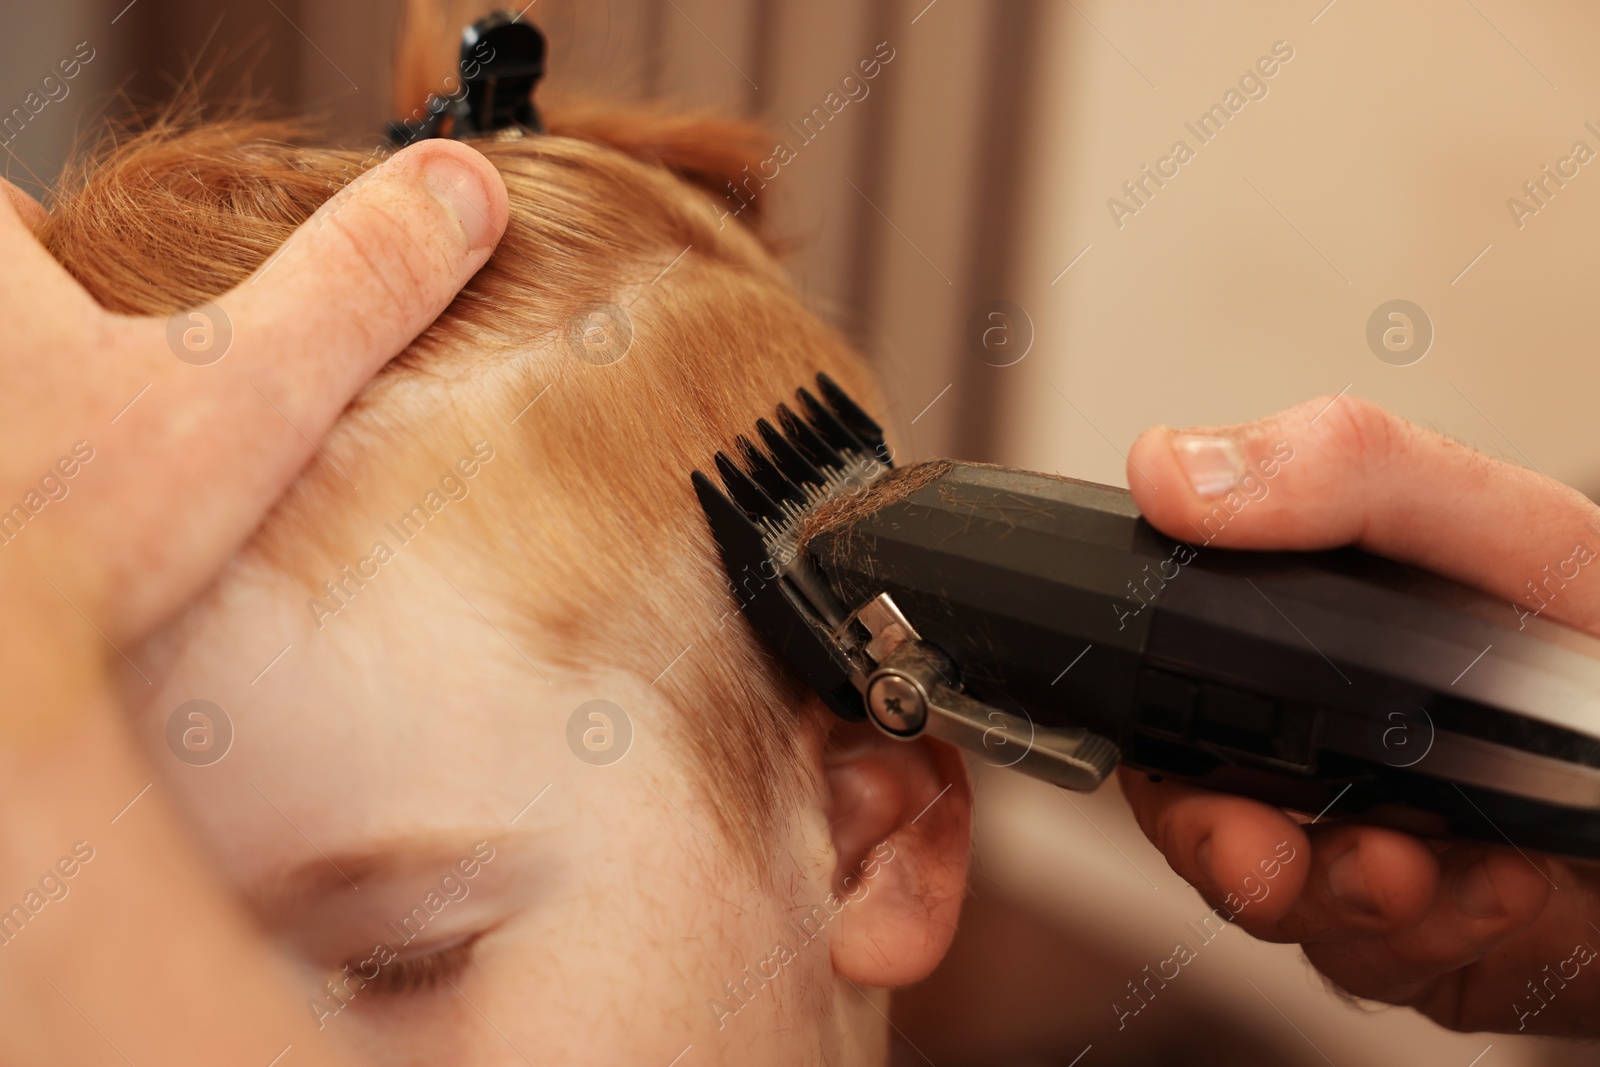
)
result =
(418, 973)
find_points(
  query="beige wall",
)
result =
(1378, 167)
(41, 38)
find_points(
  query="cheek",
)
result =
(674, 925)
(634, 934)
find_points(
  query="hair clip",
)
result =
(502, 60)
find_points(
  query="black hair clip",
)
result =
(502, 60)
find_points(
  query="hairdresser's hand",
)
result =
(192, 444)
(1456, 931)
(128, 475)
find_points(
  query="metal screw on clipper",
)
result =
(897, 702)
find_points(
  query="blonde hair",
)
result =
(591, 532)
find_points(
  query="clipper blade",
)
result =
(828, 449)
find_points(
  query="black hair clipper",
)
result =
(1040, 622)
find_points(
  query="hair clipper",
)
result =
(1040, 622)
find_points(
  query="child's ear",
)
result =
(901, 820)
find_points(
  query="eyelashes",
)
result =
(424, 972)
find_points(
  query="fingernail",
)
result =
(1347, 883)
(1213, 464)
(1474, 891)
(461, 190)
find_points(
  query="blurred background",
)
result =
(1004, 222)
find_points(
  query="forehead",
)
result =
(418, 711)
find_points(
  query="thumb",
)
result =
(28, 209)
(1347, 472)
(361, 278)
(264, 371)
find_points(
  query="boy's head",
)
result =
(508, 774)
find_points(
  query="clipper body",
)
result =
(1043, 624)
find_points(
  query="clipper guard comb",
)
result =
(831, 446)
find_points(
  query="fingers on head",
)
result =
(47, 304)
(26, 209)
(375, 265)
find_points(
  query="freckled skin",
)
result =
(614, 917)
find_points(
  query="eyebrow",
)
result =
(346, 871)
